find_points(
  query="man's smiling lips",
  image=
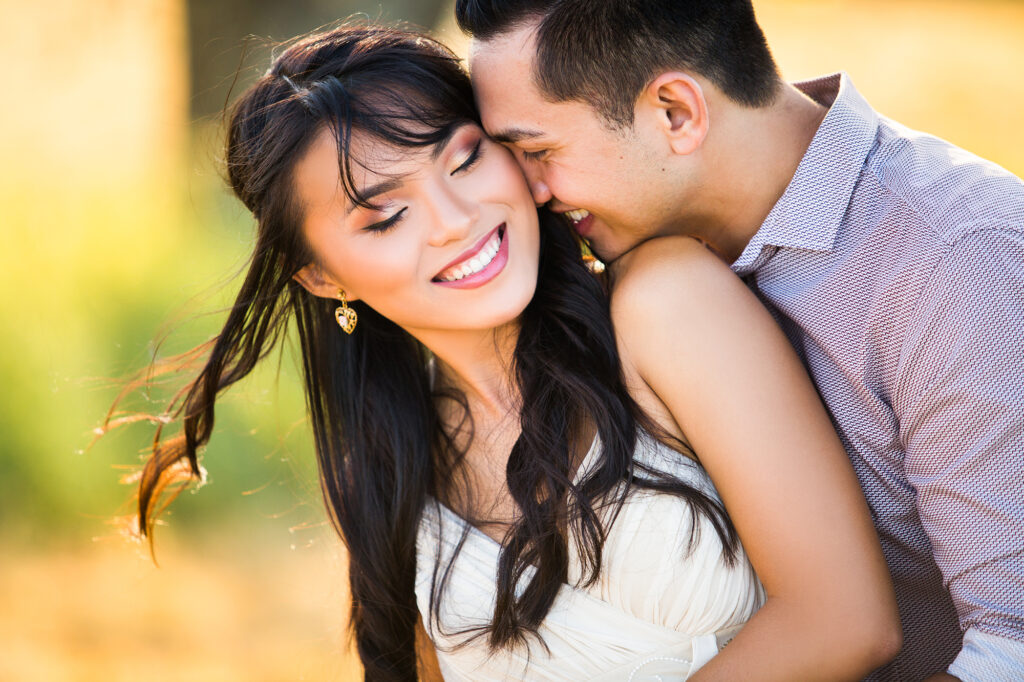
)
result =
(581, 219)
(479, 264)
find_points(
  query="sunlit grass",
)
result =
(217, 613)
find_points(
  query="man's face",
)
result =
(606, 180)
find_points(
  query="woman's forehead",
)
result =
(373, 164)
(372, 154)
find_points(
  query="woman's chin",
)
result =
(506, 311)
(502, 315)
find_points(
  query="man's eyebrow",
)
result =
(370, 192)
(513, 135)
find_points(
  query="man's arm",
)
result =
(960, 403)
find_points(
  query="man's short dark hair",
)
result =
(605, 52)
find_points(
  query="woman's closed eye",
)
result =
(471, 158)
(382, 226)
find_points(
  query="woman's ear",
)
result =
(313, 280)
(676, 103)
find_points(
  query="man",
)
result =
(893, 261)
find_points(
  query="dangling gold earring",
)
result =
(345, 316)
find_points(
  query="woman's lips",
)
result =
(487, 272)
(470, 252)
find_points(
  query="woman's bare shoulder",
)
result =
(666, 274)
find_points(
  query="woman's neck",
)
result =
(479, 365)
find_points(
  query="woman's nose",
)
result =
(454, 215)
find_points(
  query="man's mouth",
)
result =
(581, 220)
(474, 261)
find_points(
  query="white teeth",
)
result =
(577, 215)
(475, 264)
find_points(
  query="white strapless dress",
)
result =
(658, 611)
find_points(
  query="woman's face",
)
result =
(452, 241)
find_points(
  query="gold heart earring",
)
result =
(345, 316)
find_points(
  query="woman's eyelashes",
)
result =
(471, 158)
(382, 226)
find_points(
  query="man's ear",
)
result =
(313, 280)
(676, 101)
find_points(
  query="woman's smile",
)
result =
(479, 265)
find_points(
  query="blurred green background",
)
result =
(117, 231)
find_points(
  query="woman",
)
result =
(498, 460)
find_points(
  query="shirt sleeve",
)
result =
(986, 657)
(961, 412)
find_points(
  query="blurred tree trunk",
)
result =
(95, 98)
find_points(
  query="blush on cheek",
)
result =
(514, 183)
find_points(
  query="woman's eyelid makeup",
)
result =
(358, 216)
(468, 148)
(378, 215)
(467, 144)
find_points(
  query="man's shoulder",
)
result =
(950, 190)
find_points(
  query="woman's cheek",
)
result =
(514, 182)
(380, 265)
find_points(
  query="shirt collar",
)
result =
(808, 214)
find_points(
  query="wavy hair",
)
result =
(382, 449)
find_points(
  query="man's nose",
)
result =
(541, 193)
(538, 187)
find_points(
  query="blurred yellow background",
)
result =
(115, 226)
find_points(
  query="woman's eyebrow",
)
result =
(372, 191)
(394, 183)
(440, 145)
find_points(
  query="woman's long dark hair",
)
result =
(381, 447)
